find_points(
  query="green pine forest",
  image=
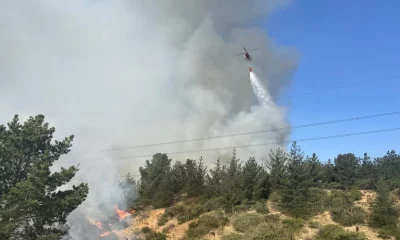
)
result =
(300, 186)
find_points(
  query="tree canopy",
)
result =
(31, 205)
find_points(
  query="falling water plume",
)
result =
(259, 90)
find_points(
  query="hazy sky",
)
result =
(343, 43)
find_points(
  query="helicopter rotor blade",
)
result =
(240, 54)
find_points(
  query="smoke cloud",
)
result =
(101, 69)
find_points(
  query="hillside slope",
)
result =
(302, 230)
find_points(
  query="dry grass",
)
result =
(368, 196)
(149, 218)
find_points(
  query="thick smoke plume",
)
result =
(101, 69)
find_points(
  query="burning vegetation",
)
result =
(113, 224)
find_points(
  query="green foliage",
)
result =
(343, 210)
(269, 231)
(184, 213)
(348, 216)
(345, 169)
(31, 204)
(274, 218)
(355, 194)
(261, 207)
(206, 223)
(335, 232)
(264, 231)
(233, 236)
(214, 204)
(298, 198)
(195, 177)
(251, 176)
(151, 235)
(256, 226)
(314, 224)
(277, 167)
(384, 215)
(146, 230)
(294, 224)
(163, 219)
(291, 181)
(244, 221)
(156, 185)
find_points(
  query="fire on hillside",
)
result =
(113, 224)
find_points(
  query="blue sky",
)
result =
(343, 43)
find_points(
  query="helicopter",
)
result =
(247, 55)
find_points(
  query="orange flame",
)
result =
(121, 214)
(96, 223)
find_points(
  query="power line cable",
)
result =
(255, 132)
(278, 98)
(264, 144)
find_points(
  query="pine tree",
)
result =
(31, 204)
(164, 193)
(195, 177)
(263, 186)
(277, 166)
(345, 169)
(314, 170)
(383, 213)
(215, 179)
(154, 172)
(366, 173)
(178, 177)
(251, 176)
(233, 186)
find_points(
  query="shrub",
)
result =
(241, 208)
(335, 232)
(348, 216)
(267, 227)
(214, 204)
(163, 219)
(245, 221)
(314, 224)
(384, 234)
(174, 211)
(156, 236)
(365, 183)
(306, 204)
(184, 213)
(269, 231)
(261, 207)
(233, 236)
(206, 223)
(151, 235)
(294, 224)
(275, 197)
(146, 230)
(355, 194)
(273, 218)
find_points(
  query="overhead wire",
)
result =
(270, 143)
(277, 98)
(256, 132)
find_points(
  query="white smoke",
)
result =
(96, 69)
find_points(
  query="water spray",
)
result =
(259, 90)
